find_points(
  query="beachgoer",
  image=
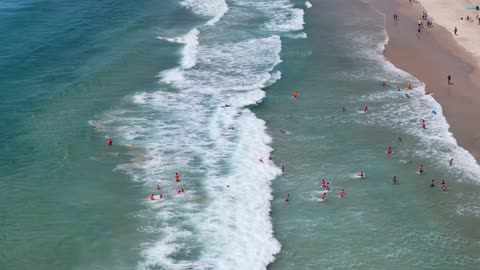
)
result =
(323, 184)
(287, 197)
(109, 142)
(270, 157)
(158, 187)
(177, 177)
(389, 150)
(420, 169)
(327, 186)
(433, 183)
(394, 180)
(395, 17)
(342, 193)
(424, 124)
(365, 109)
(283, 168)
(152, 197)
(451, 162)
(183, 191)
(455, 31)
(283, 131)
(443, 186)
(261, 160)
(295, 95)
(406, 94)
(343, 109)
(361, 174)
(324, 196)
(398, 88)
(161, 196)
(400, 140)
(449, 79)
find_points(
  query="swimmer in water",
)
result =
(424, 124)
(365, 109)
(270, 157)
(261, 160)
(177, 177)
(287, 197)
(283, 168)
(161, 196)
(394, 180)
(283, 131)
(342, 193)
(420, 169)
(324, 196)
(323, 184)
(443, 186)
(407, 95)
(451, 162)
(109, 142)
(327, 186)
(158, 187)
(433, 183)
(295, 95)
(152, 197)
(400, 140)
(362, 175)
(389, 150)
(398, 88)
(343, 109)
(183, 191)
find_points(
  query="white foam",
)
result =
(188, 130)
(283, 17)
(308, 4)
(190, 50)
(210, 8)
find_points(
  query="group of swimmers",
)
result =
(326, 185)
(178, 192)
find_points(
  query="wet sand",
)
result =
(430, 59)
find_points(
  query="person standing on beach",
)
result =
(449, 79)
(395, 17)
(451, 162)
(455, 31)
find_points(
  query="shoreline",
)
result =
(430, 59)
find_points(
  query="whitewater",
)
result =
(200, 124)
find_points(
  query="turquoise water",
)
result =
(154, 76)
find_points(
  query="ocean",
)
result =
(203, 88)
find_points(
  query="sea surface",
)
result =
(203, 88)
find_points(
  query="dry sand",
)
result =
(448, 14)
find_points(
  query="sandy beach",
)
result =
(435, 55)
